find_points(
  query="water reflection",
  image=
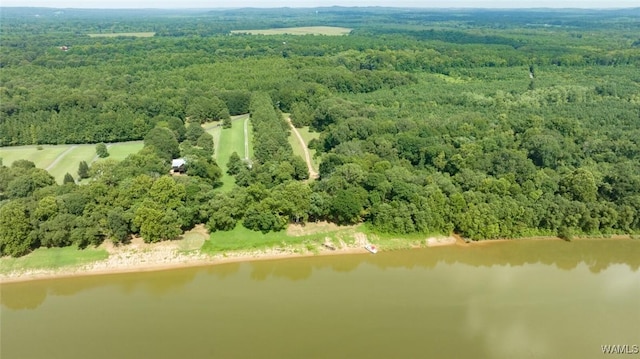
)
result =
(504, 300)
(596, 255)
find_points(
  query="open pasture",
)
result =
(120, 150)
(42, 158)
(307, 30)
(124, 34)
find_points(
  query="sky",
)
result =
(210, 4)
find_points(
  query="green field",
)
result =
(62, 159)
(42, 158)
(123, 34)
(119, 151)
(71, 160)
(214, 129)
(227, 141)
(307, 30)
(52, 258)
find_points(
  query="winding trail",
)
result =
(60, 157)
(307, 157)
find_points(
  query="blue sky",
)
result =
(168, 4)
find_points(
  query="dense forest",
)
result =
(486, 123)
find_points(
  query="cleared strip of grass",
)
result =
(119, 151)
(214, 129)
(71, 160)
(117, 34)
(250, 127)
(230, 140)
(241, 238)
(297, 147)
(42, 158)
(52, 258)
(306, 30)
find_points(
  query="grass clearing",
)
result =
(124, 34)
(241, 238)
(70, 160)
(305, 30)
(214, 129)
(42, 158)
(52, 258)
(119, 151)
(230, 140)
(250, 132)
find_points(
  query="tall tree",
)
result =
(83, 170)
(101, 150)
(164, 143)
(68, 179)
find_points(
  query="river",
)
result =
(516, 299)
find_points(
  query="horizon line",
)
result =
(325, 7)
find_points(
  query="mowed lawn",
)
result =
(231, 140)
(306, 30)
(214, 129)
(119, 151)
(297, 147)
(70, 161)
(42, 158)
(62, 159)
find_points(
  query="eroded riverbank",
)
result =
(138, 256)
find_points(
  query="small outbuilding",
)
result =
(178, 165)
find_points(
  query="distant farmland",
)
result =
(124, 34)
(309, 30)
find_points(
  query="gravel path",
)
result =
(307, 157)
(246, 139)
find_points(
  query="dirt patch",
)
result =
(360, 239)
(298, 230)
(441, 241)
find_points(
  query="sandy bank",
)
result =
(141, 257)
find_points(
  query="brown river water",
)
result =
(515, 299)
